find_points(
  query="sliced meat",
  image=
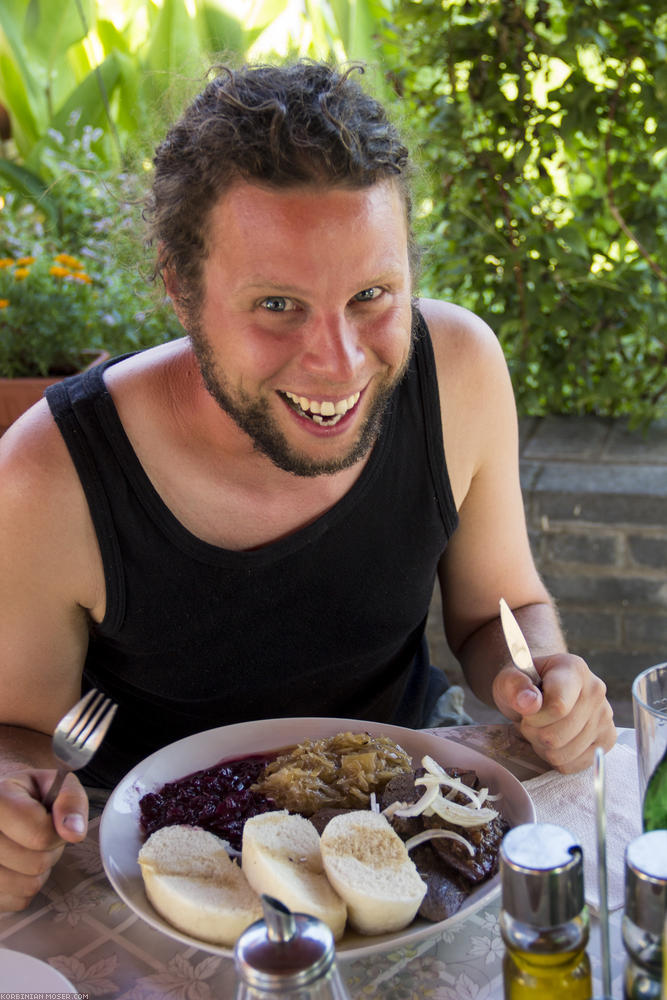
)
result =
(320, 818)
(486, 840)
(446, 890)
(402, 788)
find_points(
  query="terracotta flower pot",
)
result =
(18, 394)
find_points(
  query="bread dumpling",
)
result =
(368, 864)
(281, 857)
(193, 883)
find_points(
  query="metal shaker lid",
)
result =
(646, 881)
(284, 950)
(541, 875)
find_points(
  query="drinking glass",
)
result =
(649, 708)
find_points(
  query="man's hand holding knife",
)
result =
(558, 705)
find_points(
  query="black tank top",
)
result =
(328, 621)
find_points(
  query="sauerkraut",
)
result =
(339, 772)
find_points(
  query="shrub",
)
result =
(544, 144)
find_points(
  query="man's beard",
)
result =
(254, 418)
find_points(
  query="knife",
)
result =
(517, 645)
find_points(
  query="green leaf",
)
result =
(27, 183)
(50, 28)
(363, 22)
(88, 100)
(111, 38)
(220, 31)
(12, 14)
(27, 117)
(174, 44)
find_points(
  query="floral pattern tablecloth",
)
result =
(81, 927)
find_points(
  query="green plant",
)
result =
(52, 313)
(543, 139)
(126, 72)
(47, 307)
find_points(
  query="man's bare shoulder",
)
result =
(32, 455)
(461, 339)
(44, 515)
(476, 398)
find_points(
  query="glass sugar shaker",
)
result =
(645, 914)
(543, 918)
(287, 955)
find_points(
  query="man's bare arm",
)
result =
(489, 557)
(49, 580)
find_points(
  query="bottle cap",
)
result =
(541, 875)
(646, 881)
(283, 951)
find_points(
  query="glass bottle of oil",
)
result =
(544, 919)
(644, 915)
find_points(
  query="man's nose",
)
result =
(332, 347)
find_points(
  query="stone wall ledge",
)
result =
(592, 439)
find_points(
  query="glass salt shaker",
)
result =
(287, 955)
(543, 919)
(645, 914)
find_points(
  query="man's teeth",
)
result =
(324, 411)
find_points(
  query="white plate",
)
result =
(24, 974)
(120, 835)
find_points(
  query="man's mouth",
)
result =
(324, 412)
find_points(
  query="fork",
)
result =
(78, 736)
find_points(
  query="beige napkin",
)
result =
(568, 800)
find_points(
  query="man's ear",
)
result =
(172, 288)
(170, 283)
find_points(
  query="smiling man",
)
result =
(248, 522)
(303, 359)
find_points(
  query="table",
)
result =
(80, 926)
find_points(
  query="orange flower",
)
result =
(59, 272)
(4, 303)
(20, 273)
(6, 261)
(68, 261)
(83, 277)
(22, 261)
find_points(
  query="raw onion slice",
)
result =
(419, 838)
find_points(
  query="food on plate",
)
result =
(193, 883)
(450, 829)
(445, 891)
(369, 866)
(281, 857)
(432, 834)
(340, 772)
(218, 799)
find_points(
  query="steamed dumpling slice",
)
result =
(281, 857)
(368, 864)
(193, 883)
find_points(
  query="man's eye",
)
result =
(277, 303)
(368, 294)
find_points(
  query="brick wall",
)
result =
(596, 504)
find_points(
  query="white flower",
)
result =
(71, 906)
(92, 979)
(180, 980)
(463, 989)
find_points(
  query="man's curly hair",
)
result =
(303, 123)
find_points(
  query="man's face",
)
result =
(305, 326)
